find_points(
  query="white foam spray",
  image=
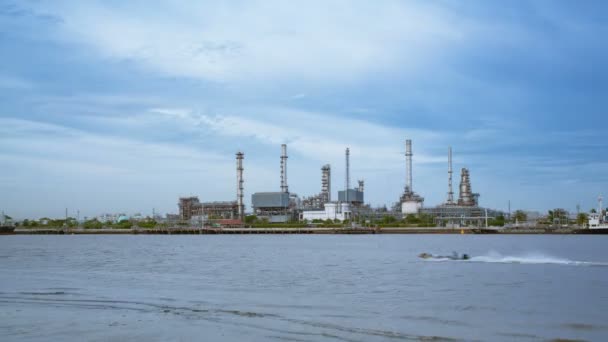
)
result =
(532, 258)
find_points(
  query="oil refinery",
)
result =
(283, 206)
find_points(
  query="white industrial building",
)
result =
(332, 211)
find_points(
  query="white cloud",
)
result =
(263, 40)
(47, 167)
(316, 136)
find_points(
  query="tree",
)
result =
(498, 221)
(558, 215)
(249, 219)
(147, 223)
(124, 224)
(389, 219)
(92, 224)
(520, 216)
(582, 218)
(411, 219)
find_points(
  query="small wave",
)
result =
(53, 293)
(532, 258)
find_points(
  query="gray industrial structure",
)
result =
(450, 189)
(461, 216)
(239, 185)
(466, 211)
(352, 196)
(276, 206)
(283, 206)
(318, 201)
(350, 201)
(193, 210)
(411, 202)
(348, 195)
(467, 197)
(270, 200)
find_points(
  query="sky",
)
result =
(124, 106)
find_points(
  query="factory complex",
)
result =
(282, 207)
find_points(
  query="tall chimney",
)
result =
(239, 183)
(450, 190)
(284, 187)
(347, 174)
(408, 166)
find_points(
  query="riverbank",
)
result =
(308, 230)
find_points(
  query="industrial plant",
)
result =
(196, 212)
(283, 206)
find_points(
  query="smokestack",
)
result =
(326, 182)
(450, 190)
(408, 166)
(239, 183)
(347, 174)
(361, 185)
(284, 187)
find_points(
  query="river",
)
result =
(302, 288)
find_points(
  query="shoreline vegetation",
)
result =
(388, 224)
(298, 230)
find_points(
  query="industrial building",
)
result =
(191, 209)
(283, 206)
(464, 212)
(340, 211)
(280, 206)
(318, 201)
(411, 202)
(349, 200)
(352, 196)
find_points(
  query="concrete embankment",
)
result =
(277, 230)
(306, 230)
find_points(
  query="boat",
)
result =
(597, 223)
(6, 229)
(6, 225)
(454, 256)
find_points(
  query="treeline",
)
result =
(88, 224)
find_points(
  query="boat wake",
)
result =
(532, 258)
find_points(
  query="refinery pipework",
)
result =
(326, 182)
(466, 195)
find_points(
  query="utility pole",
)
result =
(486, 218)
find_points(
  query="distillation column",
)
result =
(466, 195)
(326, 183)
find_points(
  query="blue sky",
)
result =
(112, 106)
